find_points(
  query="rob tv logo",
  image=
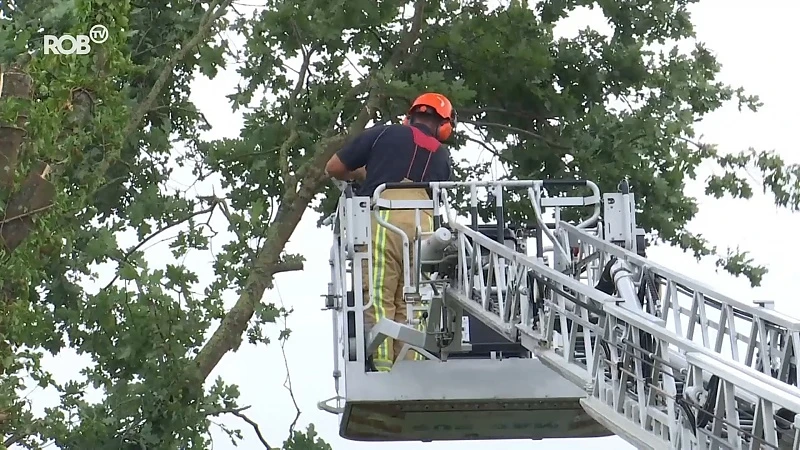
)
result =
(80, 44)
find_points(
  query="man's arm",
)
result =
(348, 163)
(336, 168)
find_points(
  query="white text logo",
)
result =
(80, 44)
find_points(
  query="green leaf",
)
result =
(127, 272)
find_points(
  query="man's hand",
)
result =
(342, 185)
(359, 174)
(336, 169)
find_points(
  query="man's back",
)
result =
(395, 153)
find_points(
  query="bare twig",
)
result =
(238, 413)
(288, 381)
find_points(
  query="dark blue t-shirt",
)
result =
(391, 153)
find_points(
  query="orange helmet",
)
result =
(441, 106)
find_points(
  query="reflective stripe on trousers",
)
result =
(387, 272)
(382, 359)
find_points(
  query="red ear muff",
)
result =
(444, 131)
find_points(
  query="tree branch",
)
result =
(211, 15)
(489, 148)
(25, 214)
(289, 181)
(255, 426)
(239, 412)
(14, 440)
(124, 259)
(411, 36)
(468, 112)
(293, 266)
(517, 130)
(292, 207)
(326, 151)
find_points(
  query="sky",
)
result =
(751, 42)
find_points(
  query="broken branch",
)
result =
(293, 266)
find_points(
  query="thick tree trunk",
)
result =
(36, 193)
(14, 84)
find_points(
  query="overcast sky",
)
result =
(753, 43)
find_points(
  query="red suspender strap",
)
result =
(411, 164)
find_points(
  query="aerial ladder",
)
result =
(551, 329)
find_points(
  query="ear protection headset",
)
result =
(444, 130)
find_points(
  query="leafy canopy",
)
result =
(113, 127)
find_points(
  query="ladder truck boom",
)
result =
(580, 336)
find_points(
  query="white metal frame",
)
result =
(694, 311)
(644, 374)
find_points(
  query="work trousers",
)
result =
(387, 271)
